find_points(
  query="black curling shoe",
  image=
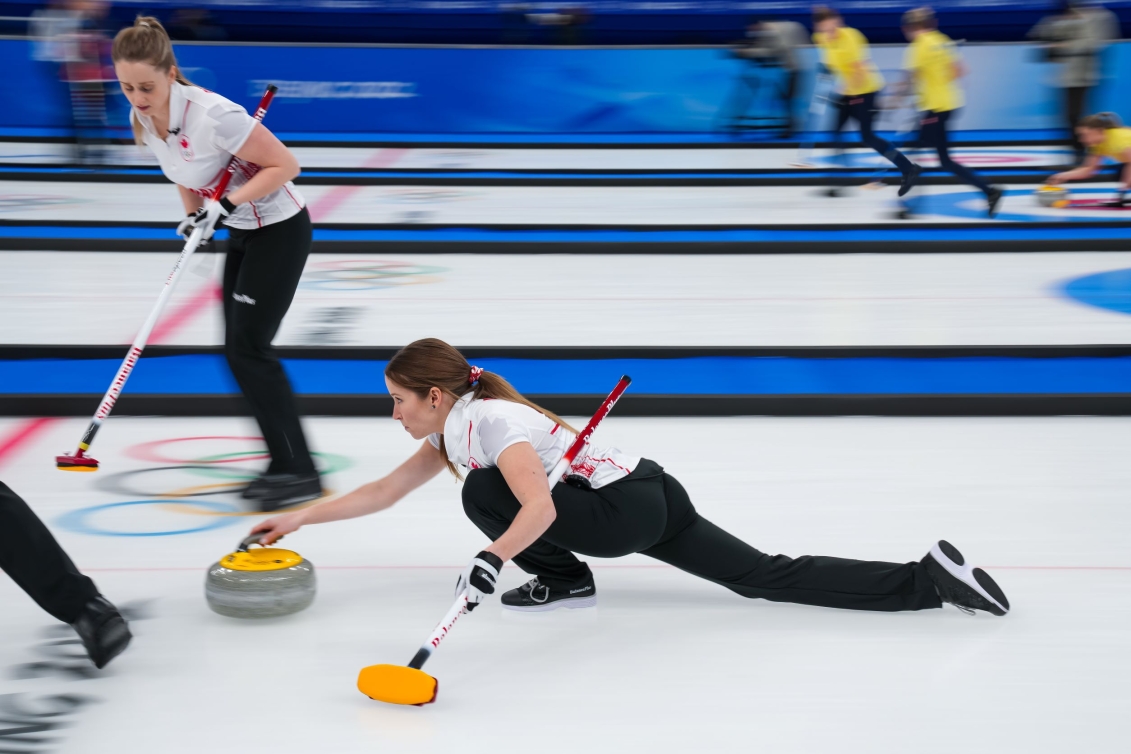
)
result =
(910, 178)
(962, 585)
(993, 199)
(275, 491)
(103, 631)
(536, 597)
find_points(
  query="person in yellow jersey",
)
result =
(934, 68)
(844, 51)
(1104, 137)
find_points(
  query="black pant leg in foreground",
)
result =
(650, 513)
(937, 135)
(693, 544)
(261, 274)
(36, 562)
(864, 112)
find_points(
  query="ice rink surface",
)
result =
(999, 299)
(665, 663)
(560, 206)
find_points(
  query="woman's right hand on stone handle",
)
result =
(274, 529)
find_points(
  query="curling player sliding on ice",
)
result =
(613, 504)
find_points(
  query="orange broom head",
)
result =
(397, 684)
(76, 463)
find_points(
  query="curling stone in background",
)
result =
(265, 582)
(1052, 196)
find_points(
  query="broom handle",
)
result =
(459, 607)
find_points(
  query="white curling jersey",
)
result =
(205, 130)
(478, 431)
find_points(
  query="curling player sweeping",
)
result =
(194, 134)
(612, 504)
(934, 68)
(844, 51)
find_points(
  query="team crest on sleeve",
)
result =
(186, 148)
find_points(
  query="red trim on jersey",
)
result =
(258, 219)
(601, 460)
(555, 429)
(292, 196)
(469, 439)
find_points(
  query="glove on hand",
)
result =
(208, 217)
(479, 578)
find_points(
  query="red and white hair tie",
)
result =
(473, 378)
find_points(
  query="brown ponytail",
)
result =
(146, 42)
(428, 363)
(1100, 121)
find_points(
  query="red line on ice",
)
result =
(334, 198)
(20, 435)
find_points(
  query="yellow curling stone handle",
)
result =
(263, 559)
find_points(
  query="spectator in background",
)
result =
(1074, 40)
(69, 35)
(53, 32)
(776, 43)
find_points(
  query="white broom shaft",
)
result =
(128, 364)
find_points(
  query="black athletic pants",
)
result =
(650, 513)
(1075, 98)
(862, 109)
(36, 562)
(261, 275)
(933, 133)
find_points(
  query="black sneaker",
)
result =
(909, 179)
(993, 199)
(103, 631)
(962, 585)
(275, 491)
(536, 597)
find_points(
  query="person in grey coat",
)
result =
(1074, 40)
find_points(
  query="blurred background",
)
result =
(471, 67)
(604, 130)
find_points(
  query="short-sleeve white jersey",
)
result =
(476, 433)
(205, 130)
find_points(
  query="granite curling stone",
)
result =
(1052, 196)
(265, 582)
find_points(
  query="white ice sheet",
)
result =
(512, 300)
(554, 206)
(666, 663)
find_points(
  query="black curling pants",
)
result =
(261, 274)
(933, 134)
(649, 512)
(862, 109)
(36, 562)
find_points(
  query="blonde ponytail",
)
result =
(146, 42)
